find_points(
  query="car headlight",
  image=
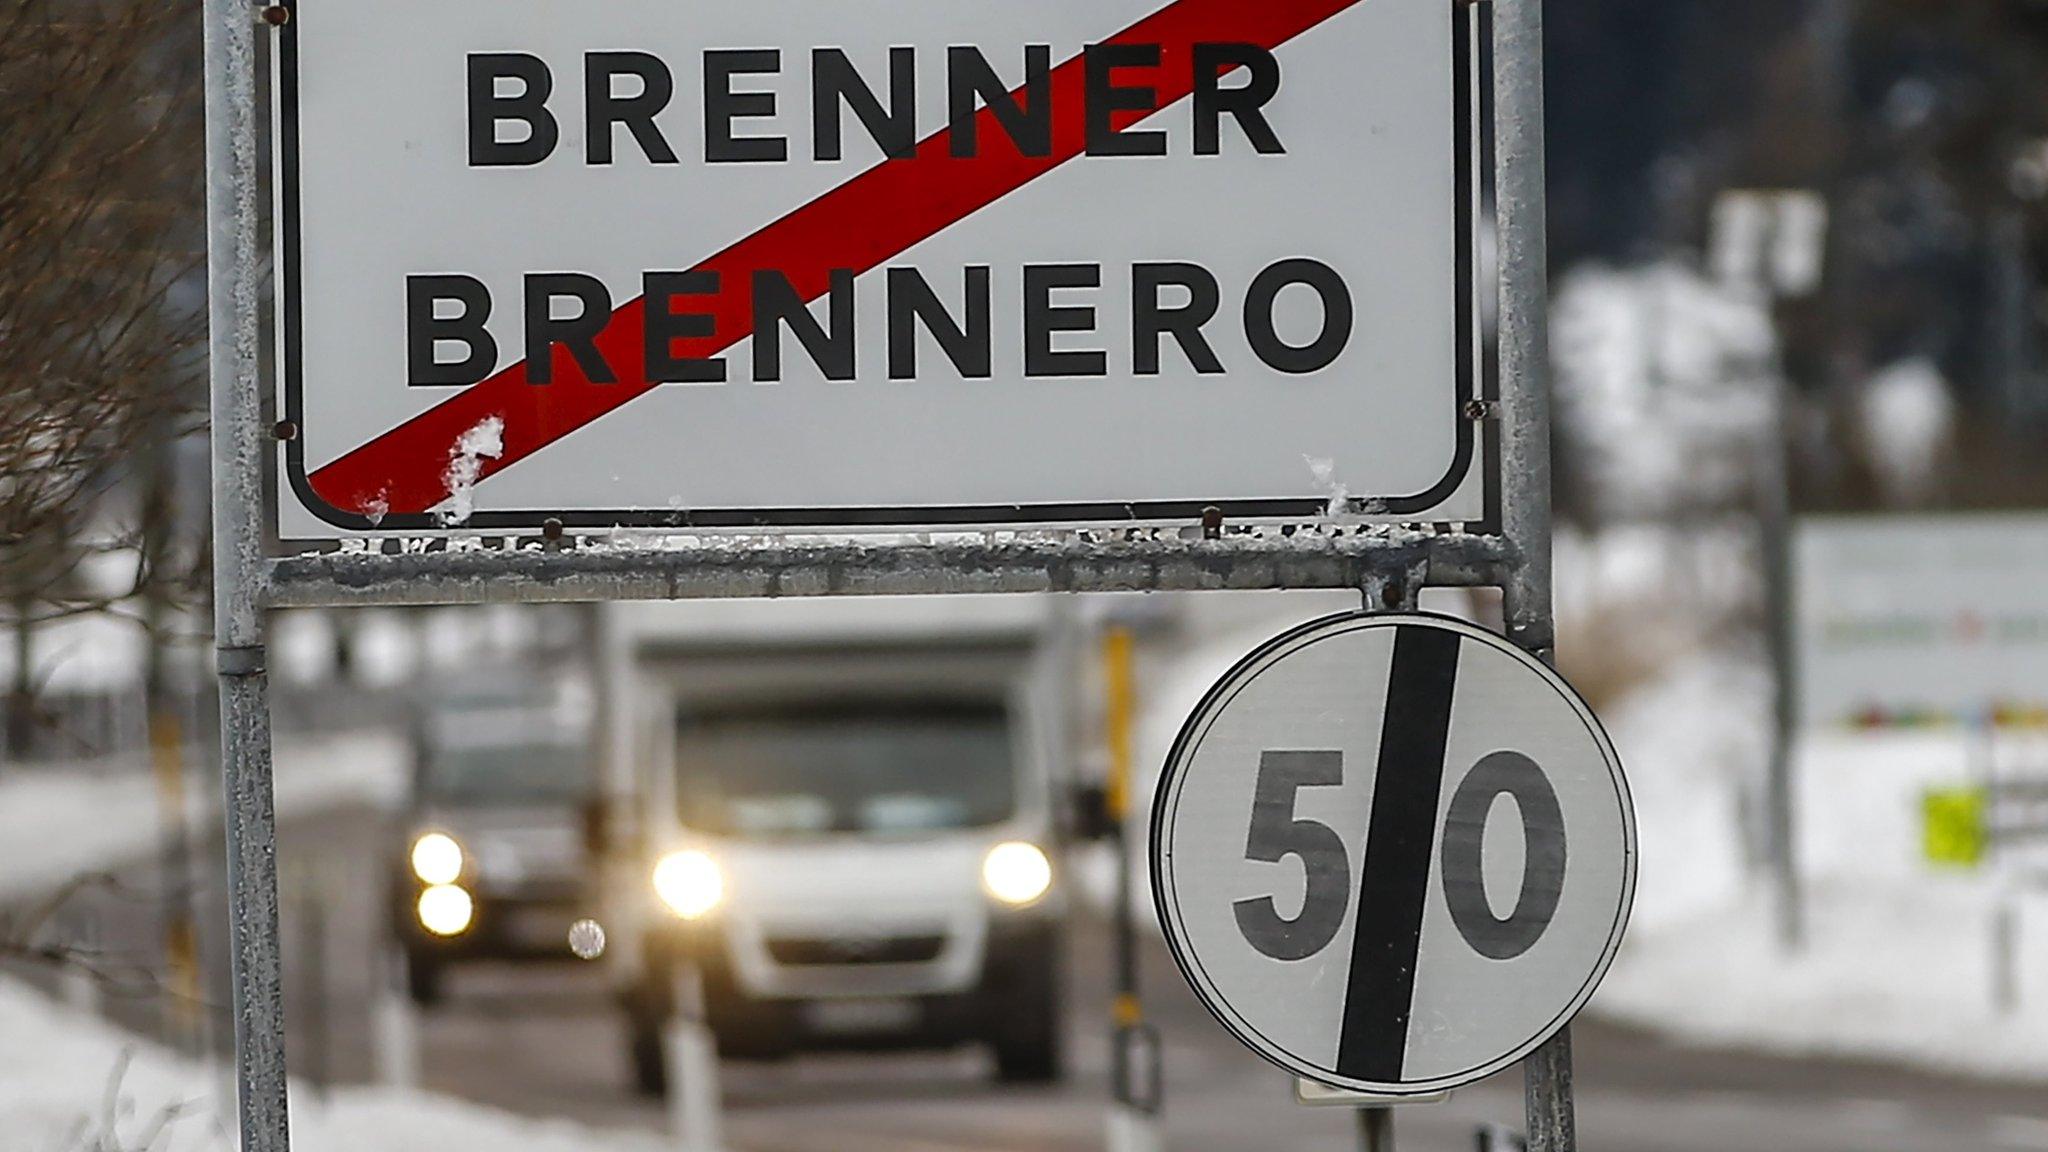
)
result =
(690, 883)
(1016, 872)
(436, 858)
(446, 910)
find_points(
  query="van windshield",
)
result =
(880, 768)
(503, 756)
(507, 774)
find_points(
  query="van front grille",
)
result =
(810, 951)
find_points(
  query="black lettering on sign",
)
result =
(1152, 319)
(424, 331)
(835, 84)
(777, 305)
(722, 106)
(1245, 102)
(912, 302)
(1329, 343)
(1543, 855)
(603, 109)
(1042, 319)
(970, 83)
(528, 106)
(576, 333)
(664, 324)
(1105, 99)
(1277, 833)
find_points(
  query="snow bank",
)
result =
(55, 825)
(1898, 972)
(1693, 746)
(70, 1081)
(1898, 964)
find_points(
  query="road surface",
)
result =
(546, 1042)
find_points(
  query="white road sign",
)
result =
(804, 265)
(1393, 853)
(1922, 620)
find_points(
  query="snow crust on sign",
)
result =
(59, 821)
(69, 1080)
(1338, 510)
(484, 440)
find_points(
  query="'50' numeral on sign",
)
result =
(1277, 833)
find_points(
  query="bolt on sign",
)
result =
(1393, 854)
(800, 265)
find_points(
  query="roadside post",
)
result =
(394, 1021)
(1136, 1072)
(312, 891)
(456, 327)
(691, 1054)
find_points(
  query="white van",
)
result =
(844, 812)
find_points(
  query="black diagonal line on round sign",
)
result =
(1406, 792)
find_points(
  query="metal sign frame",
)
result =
(1395, 410)
(1388, 566)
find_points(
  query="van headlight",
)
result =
(690, 883)
(437, 858)
(1016, 872)
(446, 910)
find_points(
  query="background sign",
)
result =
(800, 264)
(1393, 854)
(1920, 620)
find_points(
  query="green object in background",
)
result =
(1952, 826)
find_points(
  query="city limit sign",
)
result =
(811, 266)
(1393, 853)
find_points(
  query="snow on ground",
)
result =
(56, 824)
(69, 1081)
(1898, 964)
(1893, 972)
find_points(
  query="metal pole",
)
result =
(1116, 659)
(233, 271)
(692, 1056)
(1525, 433)
(1775, 528)
(313, 946)
(1524, 320)
(1135, 1069)
(1376, 1129)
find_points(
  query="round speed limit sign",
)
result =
(1393, 853)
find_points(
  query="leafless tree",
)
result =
(100, 146)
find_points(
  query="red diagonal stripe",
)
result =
(876, 215)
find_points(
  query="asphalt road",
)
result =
(545, 1041)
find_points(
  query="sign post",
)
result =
(839, 311)
(234, 266)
